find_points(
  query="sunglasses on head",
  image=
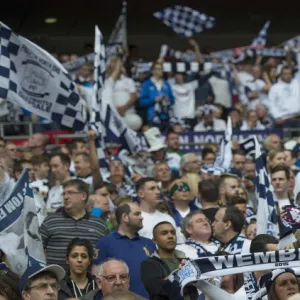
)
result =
(179, 188)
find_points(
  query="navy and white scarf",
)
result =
(250, 286)
(201, 251)
(163, 111)
(235, 245)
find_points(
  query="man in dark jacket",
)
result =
(165, 260)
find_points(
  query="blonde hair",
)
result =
(192, 180)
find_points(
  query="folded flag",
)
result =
(184, 20)
(33, 79)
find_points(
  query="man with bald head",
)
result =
(11, 150)
(112, 275)
(127, 245)
(37, 143)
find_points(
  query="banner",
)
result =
(20, 239)
(33, 79)
(194, 141)
(214, 266)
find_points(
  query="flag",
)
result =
(267, 222)
(33, 79)
(118, 36)
(224, 156)
(292, 43)
(261, 39)
(96, 106)
(184, 20)
(248, 145)
(20, 239)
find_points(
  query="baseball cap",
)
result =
(36, 267)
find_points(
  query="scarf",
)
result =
(214, 266)
(235, 245)
(201, 251)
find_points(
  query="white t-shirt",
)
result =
(151, 219)
(184, 106)
(55, 199)
(122, 90)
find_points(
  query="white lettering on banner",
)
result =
(245, 260)
(287, 255)
(265, 257)
(219, 261)
(14, 203)
(184, 139)
(3, 214)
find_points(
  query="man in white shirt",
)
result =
(123, 93)
(60, 164)
(184, 93)
(280, 176)
(197, 230)
(149, 196)
(284, 96)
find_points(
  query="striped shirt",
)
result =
(59, 229)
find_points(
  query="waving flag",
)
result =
(184, 20)
(19, 227)
(224, 156)
(118, 36)
(266, 213)
(261, 39)
(292, 43)
(33, 79)
(96, 106)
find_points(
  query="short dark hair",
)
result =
(9, 286)
(235, 199)
(280, 168)
(84, 155)
(239, 152)
(80, 185)
(159, 224)
(258, 244)
(209, 191)
(64, 158)
(37, 276)
(37, 160)
(235, 216)
(207, 151)
(141, 182)
(80, 243)
(122, 209)
(171, 131)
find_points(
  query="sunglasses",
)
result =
(179, 188)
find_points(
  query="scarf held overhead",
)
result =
(209, 267)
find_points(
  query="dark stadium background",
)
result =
(238, 22)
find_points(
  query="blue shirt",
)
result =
(132, 251)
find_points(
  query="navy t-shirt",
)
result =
(132, 251)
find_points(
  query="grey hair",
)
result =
(101, 266)
(186, 221)
(184, 160)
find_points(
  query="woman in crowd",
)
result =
(280, 284)
(275, 158)
(78, 281)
